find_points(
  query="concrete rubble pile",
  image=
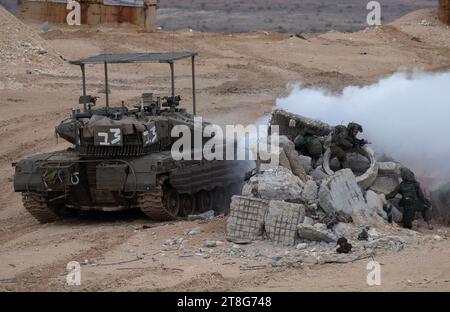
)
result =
(307, 206)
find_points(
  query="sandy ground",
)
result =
(239, 78)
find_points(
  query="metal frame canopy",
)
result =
(168, 57)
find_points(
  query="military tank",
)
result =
(121, 157)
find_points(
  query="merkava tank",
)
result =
(121, 158)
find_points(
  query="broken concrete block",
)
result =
(274, 152)
(306, 162)
(366, 217)
(395, 243)
(302, 246)
(314, 233)
(278, 184)
(292, 124)
(285, 143)
(319, 175)
(295, 163)
(373, 234)
(283, 160)
(385, 184)
(375, 203)
(184, 246)
(320, 226)
(210, 243)
(341, 230)
(195, 230)
(358, 163)
(208, 215)
(290, 157)
(281, 221)
(308, 221)
(341, 193)
(310, 192)
(246, 220)
(389, 168)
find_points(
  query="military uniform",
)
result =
(413, 199)
(343, 141)
(309, 145)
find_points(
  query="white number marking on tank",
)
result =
(106, 139)
(150, 136)
(154, 134)
(117, 135)
(103, 135)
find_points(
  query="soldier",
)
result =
(345, 139)
(309, 145)
(412, 200)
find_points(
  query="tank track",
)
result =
(37, 205)
(153, 203)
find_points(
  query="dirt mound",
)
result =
(21, 44)
(425, 26)
(416, 17)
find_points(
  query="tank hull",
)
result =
(120, 184)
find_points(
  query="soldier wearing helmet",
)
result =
(345, 139)
(413, 199)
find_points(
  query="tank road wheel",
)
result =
(162, 204)
(172, 200)
(37, 205)
(204, 201)
(187, 205)
(220, 200)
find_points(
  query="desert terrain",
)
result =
(239, 77)
(306, 16)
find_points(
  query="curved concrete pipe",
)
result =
(365, 180)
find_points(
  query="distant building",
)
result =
(93, 12)
(444, 11)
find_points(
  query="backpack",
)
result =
(314, 147)
(338, 132)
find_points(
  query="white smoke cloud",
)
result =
(405, 116)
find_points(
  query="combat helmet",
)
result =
(353, 125)
(407, 174)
